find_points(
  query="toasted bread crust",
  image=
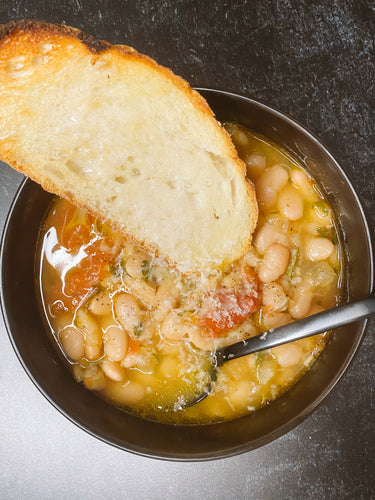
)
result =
(42, 30)
(41, 27)
(26, 35)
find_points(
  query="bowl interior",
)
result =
(45, 367)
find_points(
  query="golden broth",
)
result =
(142, 335)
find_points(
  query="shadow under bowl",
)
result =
(49, 373)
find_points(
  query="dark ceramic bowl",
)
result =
(46, 369)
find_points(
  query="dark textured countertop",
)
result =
(313, 60)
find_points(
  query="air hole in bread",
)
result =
(38, 60)
(135, 172)
(222, 165)
(55, 171)
(78, 168)
(120, 179)
(45, 47)
(72, 165)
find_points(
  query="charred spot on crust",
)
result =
(92, 43)
(7, 29)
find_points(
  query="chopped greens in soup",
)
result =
(142, 335)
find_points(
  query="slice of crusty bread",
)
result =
(113, 132)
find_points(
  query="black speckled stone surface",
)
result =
(313, 60)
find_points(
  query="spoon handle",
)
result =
(312, 325)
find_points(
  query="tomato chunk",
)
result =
(90, 271)
(75, 236)
(226, 308)
(133, 346)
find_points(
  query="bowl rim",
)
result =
(260, 441)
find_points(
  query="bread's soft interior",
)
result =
(117, 134)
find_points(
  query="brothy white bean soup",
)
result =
(141, 335)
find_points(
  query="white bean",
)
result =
(128, 311)
(201, 340)
(61, 319)
(132, 393)
(113, 371)
(266, 370)
(243, 331)
(78, 372)
(240, 137)
(133, 264)
(130, 360)
(239, 392)
(166, 295)
(266, 194)
(276, 177)
(288, 354)
(274, 263)
(270, 183)
(300, 305)
(93, 338)
(115, 343)
(255, 164)
(252, 360)
(310, 228)
(274, 296)
(173, 327)
(94, 378)
(147, 328)
(72, 342)
(233, 278)
(250, 259)
(169, 367)
(100, 304)
(267, 235)
(290, 204)
(315, 309)
(317, 249)
(300, 178)
(275, 319)
(145, 292)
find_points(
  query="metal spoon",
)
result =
(312, 325)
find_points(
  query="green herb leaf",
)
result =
(114, 269)
(123, 263)
(138, 329)
(291, 270)
(260, 356)
(148, 272)
(323, 232)
(327, 233)
(257, 317)
(158, 356)
(321, 207)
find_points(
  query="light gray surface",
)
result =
(313, 60)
